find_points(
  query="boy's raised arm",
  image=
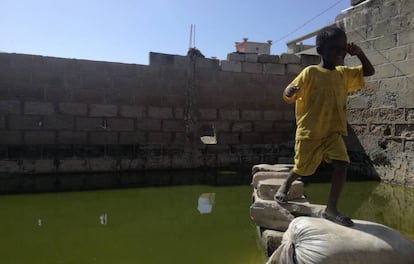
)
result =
(367, 67)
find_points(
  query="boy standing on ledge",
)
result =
(320, 92)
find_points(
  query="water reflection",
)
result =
(103, 219)
(386, 204)
(206, 202)
(390, 205)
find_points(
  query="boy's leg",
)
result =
(281, 194)
(337, 183)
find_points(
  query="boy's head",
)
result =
(331, 45)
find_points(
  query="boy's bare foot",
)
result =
(338, 218)
(281, 197)
(281, 194)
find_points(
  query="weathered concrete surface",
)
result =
(266, 189)
(272, 215)
(381, 114)
(265, 175)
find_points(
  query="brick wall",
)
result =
(67, 115)
(382, 115)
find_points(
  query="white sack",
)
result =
(319, 241)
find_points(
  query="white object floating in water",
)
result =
(206, 202)
(103, 219)
(39, 222)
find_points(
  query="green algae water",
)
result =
(181, 224)
(386, 204)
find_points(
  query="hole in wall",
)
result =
(207, 134)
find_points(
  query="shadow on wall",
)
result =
(361, 167)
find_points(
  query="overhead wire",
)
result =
(307, 22)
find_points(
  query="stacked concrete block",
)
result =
(379, 113)
(267, 64)
(273, 218)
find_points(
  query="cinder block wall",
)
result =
(67, 115)
(382, 115)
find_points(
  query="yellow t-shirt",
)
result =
(321, 99)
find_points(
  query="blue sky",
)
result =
(127, 30)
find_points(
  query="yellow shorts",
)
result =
(310, 153)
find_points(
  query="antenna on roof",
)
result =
(192, 36)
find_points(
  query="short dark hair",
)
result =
(328, 34)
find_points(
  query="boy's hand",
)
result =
(353, 49)
(290, 91)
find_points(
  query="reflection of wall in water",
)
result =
(390, 205)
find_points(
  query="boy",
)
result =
(320, 93)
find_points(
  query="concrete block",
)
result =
(173, 125)
(103, 165)
(132, 138)
(294, 69)
(274, 68)
(243, 127)
(271, 240)
(229, 115)
(270, 215)
(132, 164)
(160, 112)
(405, 67)
(298, 207)
(251, 67)
(251, 115)
(251, 57)
(231, 66)
(103, 110)
(235, 57)
(207, 114)
(265, 58)
(228, 138)
(385, 42)
(263, 126)
(132, 111)
(384, 71)
(10, 107)
(25, 122)
(9, 166)
(406, 37)
(11, 137)
(2, 122)
(89, 96)
(205, 63)
(120, 124)
(160, 59)
(38, 166)
(60, 122)
(266, 189)
(72, 166)
(357, 101)
(39, 137)
(76, 109)
(103, 138)
(149, 125)
(287, 58)
(306, 59)
(272, 115)
(87, 123)
(38, 108)
(72, 137)
(161, 138)
(89, 151)
(264, 175)
(271, 168)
